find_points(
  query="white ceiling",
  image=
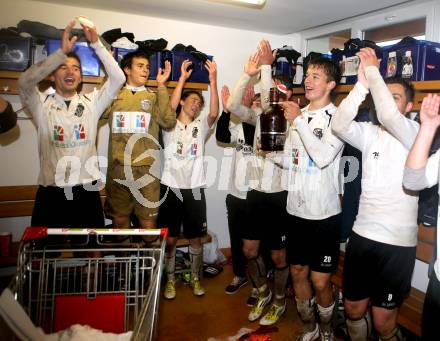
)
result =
(276, 16)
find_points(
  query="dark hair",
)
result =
(73, 55)
(185, 95)
(409, 88)
(331, 69)
(127, 60)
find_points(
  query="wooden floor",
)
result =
(216, 314)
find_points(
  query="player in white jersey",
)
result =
(312, 154)
(423, 172)
(183, 177)
(241, 137)
(266, 198)
(67, 124)
(385, 231)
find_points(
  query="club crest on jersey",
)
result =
(79, 110)
(195, 131)
(146, 105)
(318, 133)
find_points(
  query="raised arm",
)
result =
(235, 104)
(116, 77)
(402, 128)
(29, 79)
(322, 151)
(163, 113)
(343, 124)
(177, 92)
(222, 133)
(267, 57)
(421, 171)
(211, 66)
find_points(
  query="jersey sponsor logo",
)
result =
(375, 155)
(179, 150)
(120, 120)
(193, 151)
(79, 132)
(140, 121)
(295, 156)
(130, 122)
(58, 133)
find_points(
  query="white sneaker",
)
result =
(309, 335)
(257, 308)
(273, 315)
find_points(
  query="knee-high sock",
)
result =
(257, 273)
(359, 330)
(306, 310)
(196, 257)
(395, 335)
(170, 262)
(280, 282)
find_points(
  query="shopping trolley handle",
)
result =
(32, 233)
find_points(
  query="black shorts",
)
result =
(267, 218)
(53, 209)
(378, 271)
(183, 206)
(314, 243)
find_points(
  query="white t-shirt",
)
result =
(184, 154)
(313, 154)
(387, 212)
(241, 159)
(67, 135)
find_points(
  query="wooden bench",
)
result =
(410, 313)
(18, 201)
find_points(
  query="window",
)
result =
(391, 34)
(325, 44)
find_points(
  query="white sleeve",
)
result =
(28, 83)
(116, 78)
(322, 152)
(234, 129)
(402, 128)
(235, 106)
(266, 84)
(343, 124)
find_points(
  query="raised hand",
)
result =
(225, 94)
(248, 96)
(361, 75)
(368, 57)
(252, 66)
(163, 74)
(429, 112)
(211, 66)
(90, 33)
(66, 41)
(267, 56)
(291, 110)
(184, 72)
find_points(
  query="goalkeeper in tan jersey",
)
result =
(135, 118)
